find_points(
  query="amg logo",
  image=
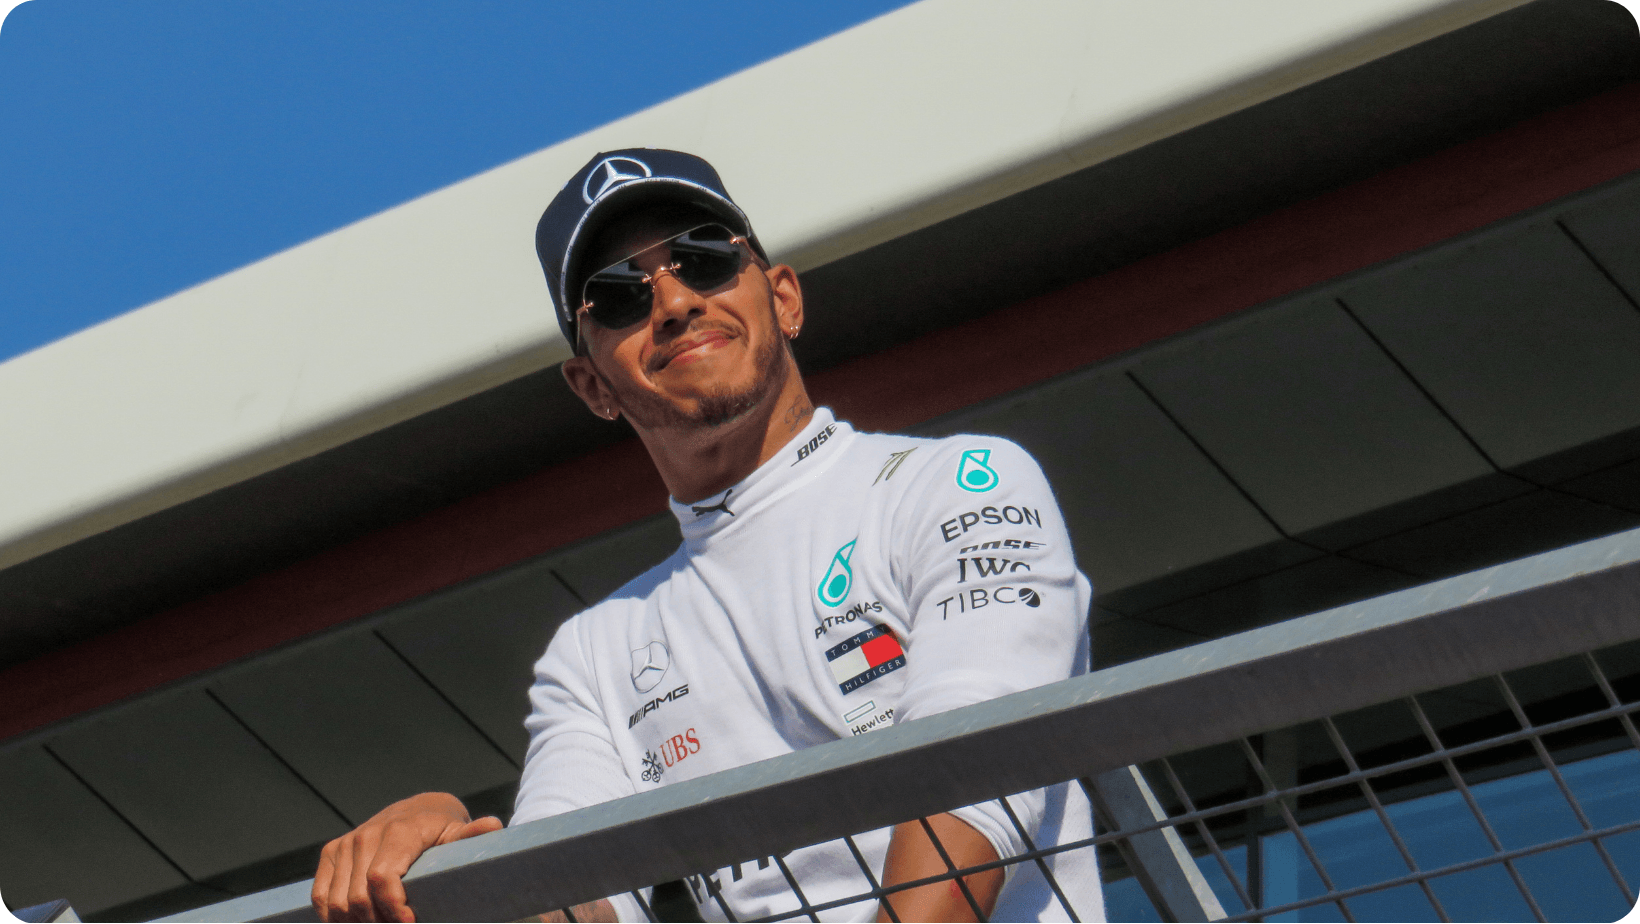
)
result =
(991, 516)
(987, 567)
(813, 444)
(655, 703)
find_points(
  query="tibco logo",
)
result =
(979, 598)
(677, 748)
(656, 703)
(819, 440)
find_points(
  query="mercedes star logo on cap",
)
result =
(609, 173)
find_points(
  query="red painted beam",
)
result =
(1461, 189)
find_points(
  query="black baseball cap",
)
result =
(612, 184)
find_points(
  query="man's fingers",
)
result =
(400, 845)
(478, 826)
(321, 881)
(361, 904)
(342, 872)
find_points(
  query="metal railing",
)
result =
(1226, 776)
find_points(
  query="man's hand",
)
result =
(360, 875)
(911, 856)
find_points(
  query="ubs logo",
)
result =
(652, 768)
(678, 748)
(610, 173)
(649, 665)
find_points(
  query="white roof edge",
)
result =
(878, 131)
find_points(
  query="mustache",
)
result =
(682, 342)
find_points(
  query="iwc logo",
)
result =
(974, 472)
(610, 173)
(649, 665)
(834, 587)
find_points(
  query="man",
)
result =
(830, 582)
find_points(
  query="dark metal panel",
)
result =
(1120, 639)
(477, 644)
(1524, 341)
(1609, 228)
(1304, 588)
(357, 723)
(1319, 426)
(1152, 519)
(58, 840)
(197, 784)
(1618, 486)
(1501, 532)
(598, 567)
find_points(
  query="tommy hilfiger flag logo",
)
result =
(865, 657)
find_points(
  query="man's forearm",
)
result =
(912, 856)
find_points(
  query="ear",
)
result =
(589, 386)
(787, 296)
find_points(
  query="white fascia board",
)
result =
(886, 128)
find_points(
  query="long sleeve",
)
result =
(996, 602)
(572, 761)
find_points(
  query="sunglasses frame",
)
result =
(743, 246)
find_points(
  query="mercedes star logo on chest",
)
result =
(649, 665)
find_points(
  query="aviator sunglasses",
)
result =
(622, 294)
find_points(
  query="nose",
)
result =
(675, 303)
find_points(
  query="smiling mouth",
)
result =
(689, 348)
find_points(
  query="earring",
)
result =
(791, 333)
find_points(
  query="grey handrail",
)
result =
(1446, 632)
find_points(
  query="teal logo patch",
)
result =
(834, 587)
(975, 473)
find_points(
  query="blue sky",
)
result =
(148, 146)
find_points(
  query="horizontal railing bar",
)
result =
(1538, 609)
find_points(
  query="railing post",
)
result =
(1159, 860)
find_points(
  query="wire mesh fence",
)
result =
(1511, 798)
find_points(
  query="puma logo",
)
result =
(723, 506)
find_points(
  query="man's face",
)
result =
(700, 358)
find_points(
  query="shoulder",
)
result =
(965, 463)
(608, 619)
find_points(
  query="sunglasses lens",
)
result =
(703, 259)
(616, 302)
(704, 269)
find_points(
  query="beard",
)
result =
(715, 407)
